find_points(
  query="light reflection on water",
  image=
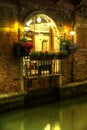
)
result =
(66, 115)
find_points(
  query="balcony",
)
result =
(36, 65)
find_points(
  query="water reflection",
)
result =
(67, 115)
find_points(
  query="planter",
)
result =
(48, 56)
(41, 57)
(19, 50)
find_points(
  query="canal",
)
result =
(68, 114)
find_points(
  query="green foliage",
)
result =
(67, 45)
(64, 44)
(49, 55)
(23, 40)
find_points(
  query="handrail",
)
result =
(40, 67)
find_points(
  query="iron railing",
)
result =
(35, 67)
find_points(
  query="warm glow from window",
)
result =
(49, 24)
(25, 28)
(29, 22)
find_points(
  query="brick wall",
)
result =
(41, 83)
(9, 66)
(79, 67)
(66, 69)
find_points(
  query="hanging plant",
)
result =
(67, 45)
(27, 45)
(22, 48)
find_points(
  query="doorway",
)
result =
(42, 31)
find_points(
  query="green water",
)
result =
(65, 115)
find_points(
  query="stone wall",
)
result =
(73, 90)
(12, 100)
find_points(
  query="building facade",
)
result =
(64, 17)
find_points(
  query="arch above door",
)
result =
(39, 28)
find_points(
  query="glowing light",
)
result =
(47, 127)
(29, 22)
(49, 24)
(16, 25)
(66, 29)
(38, 19)
(72, 33)
(57, 126)
(25, 28)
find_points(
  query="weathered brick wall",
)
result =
(79, 67)
(41, 83)
(66, 70)
(9, 65)
(80, 57)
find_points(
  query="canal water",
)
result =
(69, 114)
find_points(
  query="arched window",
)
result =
(42, 28)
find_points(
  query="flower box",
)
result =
(48, 55)
(19, 50)
(22, 49)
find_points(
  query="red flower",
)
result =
(46, 52)
(27, 46)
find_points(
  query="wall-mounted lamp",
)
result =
(72, 33)
(39, 19)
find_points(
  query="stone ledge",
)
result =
(12, 94)
(74, 84)
(73, 89)
(11, 97)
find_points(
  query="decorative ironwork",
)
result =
(40, 67)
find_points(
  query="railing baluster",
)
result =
(40, 67)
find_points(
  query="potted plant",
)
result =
(22, 48)
(67, 45)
